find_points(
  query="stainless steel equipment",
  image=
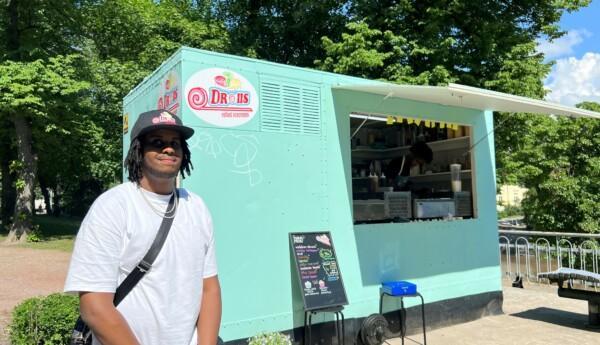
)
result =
(462, 204)
(398, 205)
(371, 209)
(393, 205)
(434, 208)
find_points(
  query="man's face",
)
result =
(162, 154)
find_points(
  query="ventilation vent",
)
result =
(290, 109)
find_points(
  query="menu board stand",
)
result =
(320, 279)
(308, 327)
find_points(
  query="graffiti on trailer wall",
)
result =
(242, 149)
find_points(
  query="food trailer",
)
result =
(280, 149)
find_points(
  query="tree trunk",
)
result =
(46, 195)
(22, 217)
(13, 36)
(32, 199)
(9, 193)
(56, 211)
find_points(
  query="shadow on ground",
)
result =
(557, 317)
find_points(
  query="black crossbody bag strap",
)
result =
(144, 266)
(81, 332)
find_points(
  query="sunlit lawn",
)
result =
(57, 233)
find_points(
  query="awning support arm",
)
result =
(359, 127)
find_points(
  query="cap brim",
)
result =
(186, 132)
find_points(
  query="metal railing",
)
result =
(524, 254)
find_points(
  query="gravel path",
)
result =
(26, 273)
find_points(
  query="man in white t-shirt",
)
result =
(178, 301)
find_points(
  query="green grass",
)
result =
(57, 233)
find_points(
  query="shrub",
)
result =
(35, 235)
(44, 320)
(510, 211)
(272, 338)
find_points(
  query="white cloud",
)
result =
(575, 80)
(562, 46)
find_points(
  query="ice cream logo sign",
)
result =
(169, 93)
(165, 118)
(221, 97)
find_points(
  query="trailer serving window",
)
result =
(407, 169)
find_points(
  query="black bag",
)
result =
(82, 334)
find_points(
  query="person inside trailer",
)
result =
(399, 168)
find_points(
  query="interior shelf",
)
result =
(440, 176)
(436, 146)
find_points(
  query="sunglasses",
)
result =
(160, 144)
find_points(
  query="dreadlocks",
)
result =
(135, 158)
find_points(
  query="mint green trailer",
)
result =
(272, 155)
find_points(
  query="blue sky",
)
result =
(587, 19)
(575, 76)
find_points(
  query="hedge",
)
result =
(44, 320)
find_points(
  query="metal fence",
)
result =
(524, 254)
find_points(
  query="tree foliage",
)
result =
(561, 167)
(65, 66)
(38, 29)
(41, 99)
(36, 41)
(282, 31)
(147, 32)
(470, 39)
(371, 53)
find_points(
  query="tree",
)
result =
(522, 73)
(97, 160)
(31, 30)
(561, 167)
(147, 32)
(7, 154)
(470, 39)
(288, 32)
(38, 29)
(30, 92)
(371, 53)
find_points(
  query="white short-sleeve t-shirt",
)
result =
(163, 308)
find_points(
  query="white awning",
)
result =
(470, 97)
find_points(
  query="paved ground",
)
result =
(534, 315)
(26, 273)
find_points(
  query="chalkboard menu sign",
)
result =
(318, 270)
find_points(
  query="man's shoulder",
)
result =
(110, 206)
(191, 197)
(188, 195)
(117, 191)
(115, 195)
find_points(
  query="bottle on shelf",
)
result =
(455, 180)
(382, 180)
(374, 183)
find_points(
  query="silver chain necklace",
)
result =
(167, 213)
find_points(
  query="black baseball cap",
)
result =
(159, 119)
